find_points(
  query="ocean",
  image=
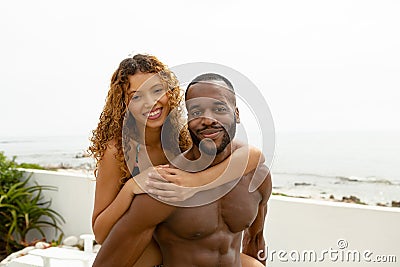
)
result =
(49, 151)
(342, 164)
(313, 165)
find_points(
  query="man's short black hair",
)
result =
(210, 77)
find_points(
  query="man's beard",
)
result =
(229, 134)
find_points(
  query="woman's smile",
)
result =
(153, 114)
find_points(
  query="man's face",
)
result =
(212, 115)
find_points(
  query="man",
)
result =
(209, 232)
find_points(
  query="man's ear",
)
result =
(237, 115)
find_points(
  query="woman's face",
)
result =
(148, 100)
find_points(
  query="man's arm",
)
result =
(253, 240)
(132, 233)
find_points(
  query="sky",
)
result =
(320, 65)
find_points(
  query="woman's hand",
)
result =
(170, 184)
(138, 184)
(176, 176)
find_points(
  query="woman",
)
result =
(144, 98)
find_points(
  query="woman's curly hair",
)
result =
(117, 123)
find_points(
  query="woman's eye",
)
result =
(135, 97)
(159, 90)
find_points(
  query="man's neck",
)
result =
(195, 154)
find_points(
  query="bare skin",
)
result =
(208, 235)
(112, 201)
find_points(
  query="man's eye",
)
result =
(221, 109)
(195, 113)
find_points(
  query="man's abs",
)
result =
(209, 235)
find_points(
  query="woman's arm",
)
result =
(110, 202)
(243, 160)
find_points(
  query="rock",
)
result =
(82, 155)
(81, 243)
(331, 197)
(302, 184)
(71, 241)
(42, 245)
(396, 204)
(381, 204)
(352, 199)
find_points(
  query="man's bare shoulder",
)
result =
(261, 181)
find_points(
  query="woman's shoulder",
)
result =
(111, 148)
(109, 163)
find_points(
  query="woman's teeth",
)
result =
(153, 113)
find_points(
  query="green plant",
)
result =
(22, 208)
(31, 166)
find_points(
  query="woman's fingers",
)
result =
(171, 196)
(163, 166)
(171, 178)
(153, 184)
(156, 175)
(162, 193)
(171, 170)
(168, 191)
(164, 175)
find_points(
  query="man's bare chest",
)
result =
(234, 212)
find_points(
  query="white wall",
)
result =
(73, 199)
(304, 224)
(292, 223)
